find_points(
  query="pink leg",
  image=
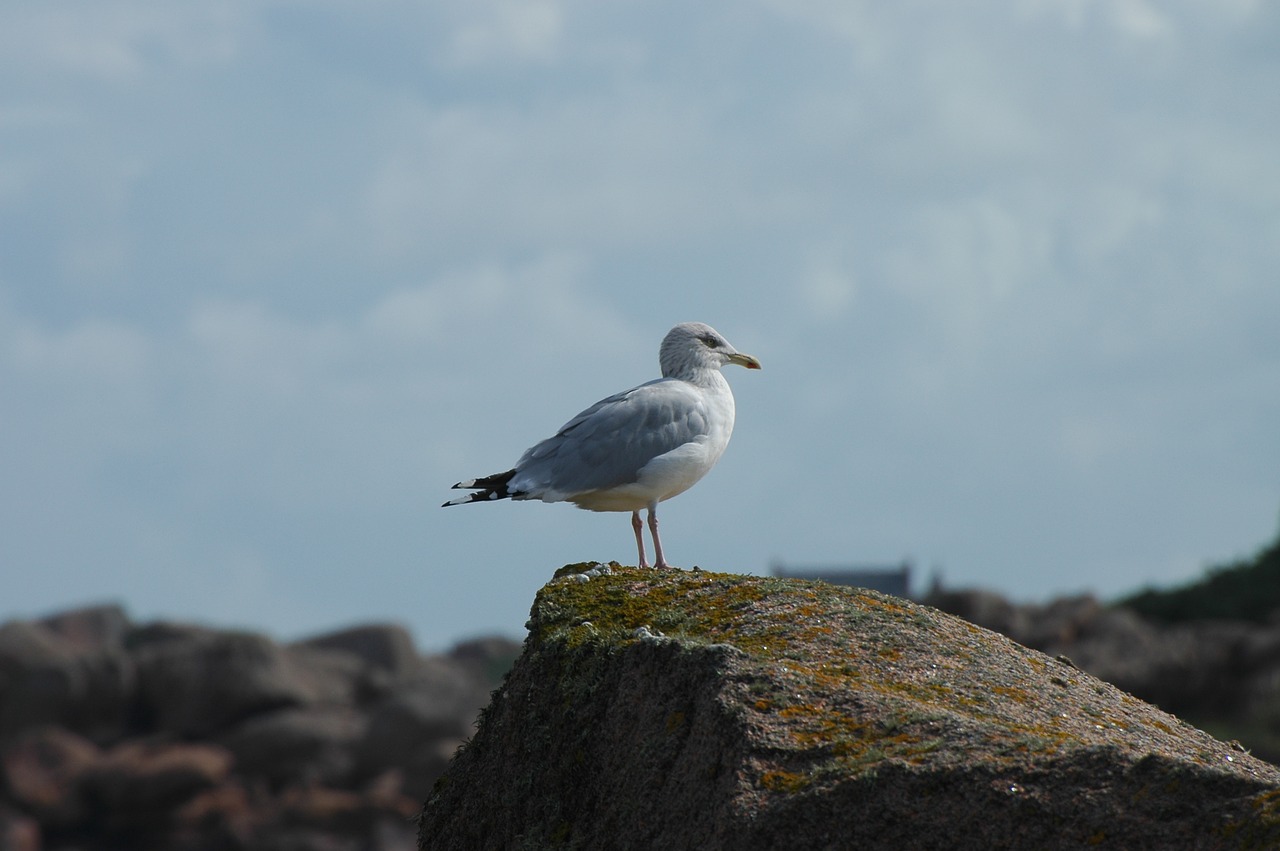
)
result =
(639, 527)
(657, 542)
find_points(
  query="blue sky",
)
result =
(274, 275)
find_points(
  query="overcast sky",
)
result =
(273, 275)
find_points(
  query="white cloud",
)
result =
(91, 350)
(1140, 19)
(242, 345)
(506, 30)
(827, 284)
(1112, 217)
(963, 265)
(1133, 18)
(855, 23)
(78, 396)
(593, 173)
(120, 43)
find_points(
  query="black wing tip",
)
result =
(486, 489)
(497, 480)
(486, 495)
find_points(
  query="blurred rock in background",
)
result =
(172, 736)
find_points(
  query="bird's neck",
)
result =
(709, 378)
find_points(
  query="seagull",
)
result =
(638, 447)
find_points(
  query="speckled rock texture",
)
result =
(674, 710)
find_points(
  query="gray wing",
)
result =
(607, 444)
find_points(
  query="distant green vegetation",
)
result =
(1246, 590)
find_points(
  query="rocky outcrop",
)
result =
(1224, 674)
(170, 736)
(655, 709)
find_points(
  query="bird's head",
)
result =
(693, 346)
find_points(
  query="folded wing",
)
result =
(606, 445)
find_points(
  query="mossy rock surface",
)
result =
(673, 709)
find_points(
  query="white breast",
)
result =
(678, 470)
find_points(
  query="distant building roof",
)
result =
(888, 579)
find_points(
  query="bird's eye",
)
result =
(710, 341)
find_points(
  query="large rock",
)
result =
(102, 627)
(387, 648)
(195, 682)
(1223, 673)
(50, 678)
(42, 770)
(656, 709)
(18, 832)
(489, 657)
(138, 784)
(307, 745)
(177, 737)
(417, 728)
